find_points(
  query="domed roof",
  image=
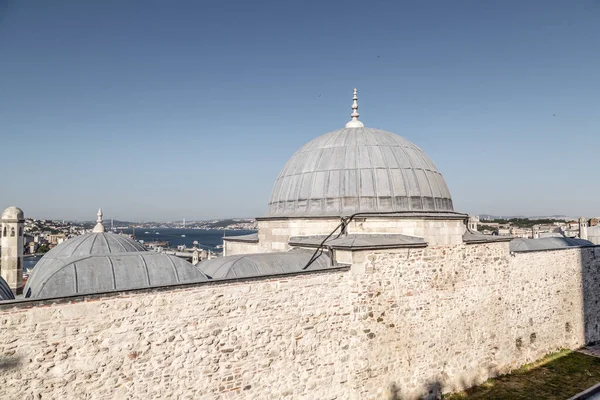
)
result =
(110, 272)
(89, 244)
(358, 169)
(13, 213)
(5, 292)
(248, 265)
(547, 243)
(93, 243)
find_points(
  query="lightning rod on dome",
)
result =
(354, 122)
(99, 227)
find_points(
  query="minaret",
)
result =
(11, 266)
(583, 234)
(354, 122)
(99, 228)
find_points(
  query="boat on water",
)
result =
(146, 232)
(182, 235)
(158, 233)
(220, 246)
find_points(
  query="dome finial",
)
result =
(354, 122)
(99, 227)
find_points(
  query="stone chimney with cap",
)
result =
(583, 231)
(11, 264)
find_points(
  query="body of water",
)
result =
(29, 263)
(207, 239)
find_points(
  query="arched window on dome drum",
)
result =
(18, 262)
(12, 231)
(20, 231)
(4, 234)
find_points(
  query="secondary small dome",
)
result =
(248, 265)
(111, 272)
(96, 243)
(358, 169)
(89, 244)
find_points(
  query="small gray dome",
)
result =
(110, 272)
(358, 170)
(5, 292)
(89, 244)
(547, 243)
(13, 213)
(248, 265)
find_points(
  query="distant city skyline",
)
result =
(160, 111)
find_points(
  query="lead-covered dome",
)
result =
(358, 169)
(5, 292)
(89, 244)
(111, 272)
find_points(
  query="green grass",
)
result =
(557, 376)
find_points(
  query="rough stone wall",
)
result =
(404, 321)
(231, 248)
(274, 234)
(260, 339)
(435, 232)
(451, 317)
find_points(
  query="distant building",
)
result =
(32, 247)
(57, 238)
(473, 223)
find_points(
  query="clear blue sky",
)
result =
(158, 110)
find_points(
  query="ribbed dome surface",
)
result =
(89, 244)
(110, 272)
(92, 244)
(247, 265)
(5, 292)
(358, 170)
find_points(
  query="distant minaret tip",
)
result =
(354, 122)
(99, 227)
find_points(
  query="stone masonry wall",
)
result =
(274, 234)
(452, 317)
(260, 339)
(407, 322)
(232, 248)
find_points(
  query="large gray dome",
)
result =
(358, 169)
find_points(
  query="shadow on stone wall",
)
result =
(590, 281)
(8, 363)
(432, 391)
